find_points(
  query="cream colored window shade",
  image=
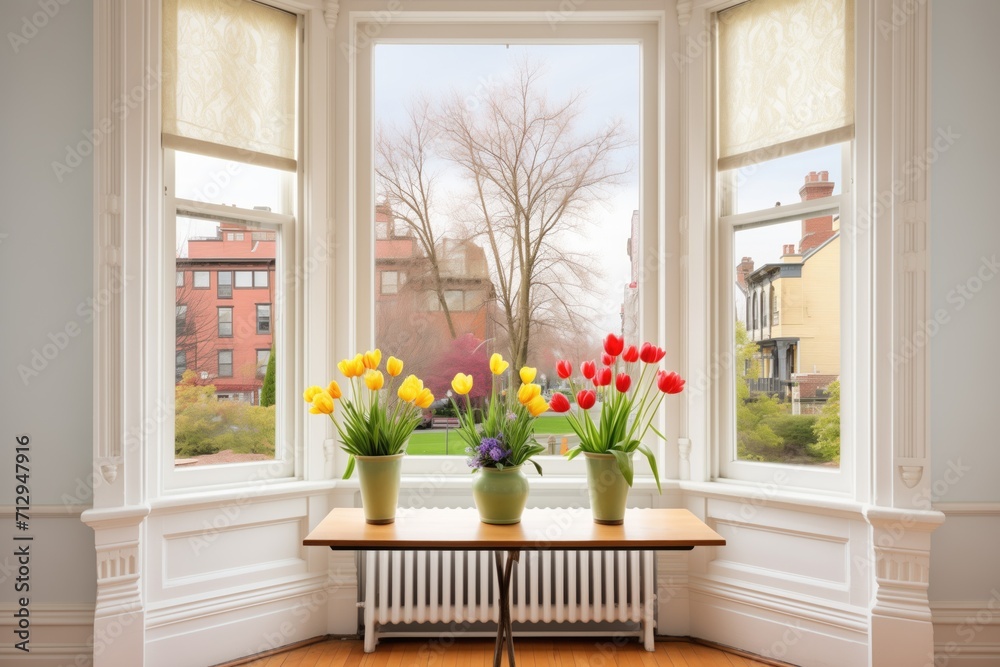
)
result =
(229, 72)
(785, 78)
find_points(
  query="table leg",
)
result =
(505, 632)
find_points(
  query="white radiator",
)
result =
(406, 587)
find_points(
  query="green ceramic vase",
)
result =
(379, 477)
(500, 495)
(608, 488)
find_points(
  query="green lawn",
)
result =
(440, 441)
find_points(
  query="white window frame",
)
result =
(282, 467)
(659, 162)
(715, 324)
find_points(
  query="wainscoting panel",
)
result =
(790, 584)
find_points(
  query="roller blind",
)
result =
(785, 78)
(229, 73)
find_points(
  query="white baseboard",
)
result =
(60, 636)
(237, 625)
(809, 633)
(966, 632)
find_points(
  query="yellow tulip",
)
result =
(528, 374)
(462, 384)
(497, 364)
(528, 392)
(310, 393)
(372, 358)
(334, 389)
(394, 366)
(410, 389)
(352, 368)
(424, 399)
(322, 404)
(374, 380)
(537, 406)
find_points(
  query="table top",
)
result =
(559, 528)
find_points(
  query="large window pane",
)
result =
(219, 338)
(458, 274)
(787, 308)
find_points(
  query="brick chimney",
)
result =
(744, 269)
(788, 253)
(815, 231)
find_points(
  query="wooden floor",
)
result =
(530, 652)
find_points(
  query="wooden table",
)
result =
(460, 529)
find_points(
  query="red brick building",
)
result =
(405, 293)
(225, 310)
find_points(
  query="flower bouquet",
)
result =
(375, 427)
(502, 443)
(627, 411)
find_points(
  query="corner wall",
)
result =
(46, 184)
(965, 298)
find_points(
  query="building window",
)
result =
(225, 363)
(180, 279)
(263, 356)
(263, 318)
(390, 282)
(180, 319)
(262, 236)
(234, 236)
(260, 279)
(202, 280)
(244, 279)
(225, 322)
(783, 167)
(180, 364)
(225, 282)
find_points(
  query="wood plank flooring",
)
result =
(531, 652)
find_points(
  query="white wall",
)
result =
(46, 274)
(965, 366)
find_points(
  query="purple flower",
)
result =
(497, 453)
(488, 445)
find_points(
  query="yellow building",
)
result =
(792, 309)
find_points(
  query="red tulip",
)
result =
(558, 403)
(623, 382)
(614, 345)
(603, 378)
(607, 359)
(588, 368)
(651, 354)
(669, 383)
(630, 354)
(585, 399)
(564, 369)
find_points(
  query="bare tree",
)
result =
(405, 178)
(534, 179)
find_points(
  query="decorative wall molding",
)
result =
(684, 12)
(109, 172)
(46, 511)
(331, 10)
(684, 452)
(909, 186)
(969, 509)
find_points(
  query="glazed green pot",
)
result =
(608, 488)
(379, 477)
(500, 495)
